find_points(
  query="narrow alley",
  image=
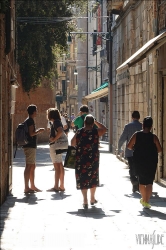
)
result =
(49, 220)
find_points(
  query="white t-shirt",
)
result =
(63, 120)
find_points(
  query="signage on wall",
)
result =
(125, 74)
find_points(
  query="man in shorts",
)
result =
(30, 150)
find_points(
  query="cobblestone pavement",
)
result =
(47, 220)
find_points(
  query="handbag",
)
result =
(70, 159)
(61, 142)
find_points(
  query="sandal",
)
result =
(85, 206)
(52, 190)
(37, 190)
(92, 203)
(30, 191)
(62, 190)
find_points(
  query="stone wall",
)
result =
(5, 116)
(134, 91)
(43, 97)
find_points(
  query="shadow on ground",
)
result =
(93, 212)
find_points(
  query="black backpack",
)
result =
(21, 135)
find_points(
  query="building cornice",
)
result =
(130, 6)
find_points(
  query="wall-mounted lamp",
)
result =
(75, 72)
(14, 82)
(103, 35)
(69, 40)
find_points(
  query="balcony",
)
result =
(114, 4)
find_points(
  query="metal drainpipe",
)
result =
(87, 56)
(110, 85)
(155, 107)
(155, 96)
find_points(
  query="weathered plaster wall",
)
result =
(43, 97)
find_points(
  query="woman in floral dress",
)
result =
(86, 141)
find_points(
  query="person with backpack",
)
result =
(30, 150)
(146, 147)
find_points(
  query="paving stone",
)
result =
(47, 221)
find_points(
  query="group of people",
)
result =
(142, 148)
(86, 141)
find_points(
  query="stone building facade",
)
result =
(7, 80)
(138, 72)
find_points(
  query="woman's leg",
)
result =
(57, 175)
(84, 193)
(142, 189)
(62, 174)
(148, 192)
(92, 194)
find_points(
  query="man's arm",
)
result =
(33, 132)
(74, 122)
(123, 138)
(64, 123)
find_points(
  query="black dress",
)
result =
(145, 156)
(87, 158)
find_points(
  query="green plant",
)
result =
(4, 5)
(40, 45)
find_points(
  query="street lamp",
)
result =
(106, 34)
(75, 72)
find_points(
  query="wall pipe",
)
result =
(110, 85)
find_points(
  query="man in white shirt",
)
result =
(63, 120)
